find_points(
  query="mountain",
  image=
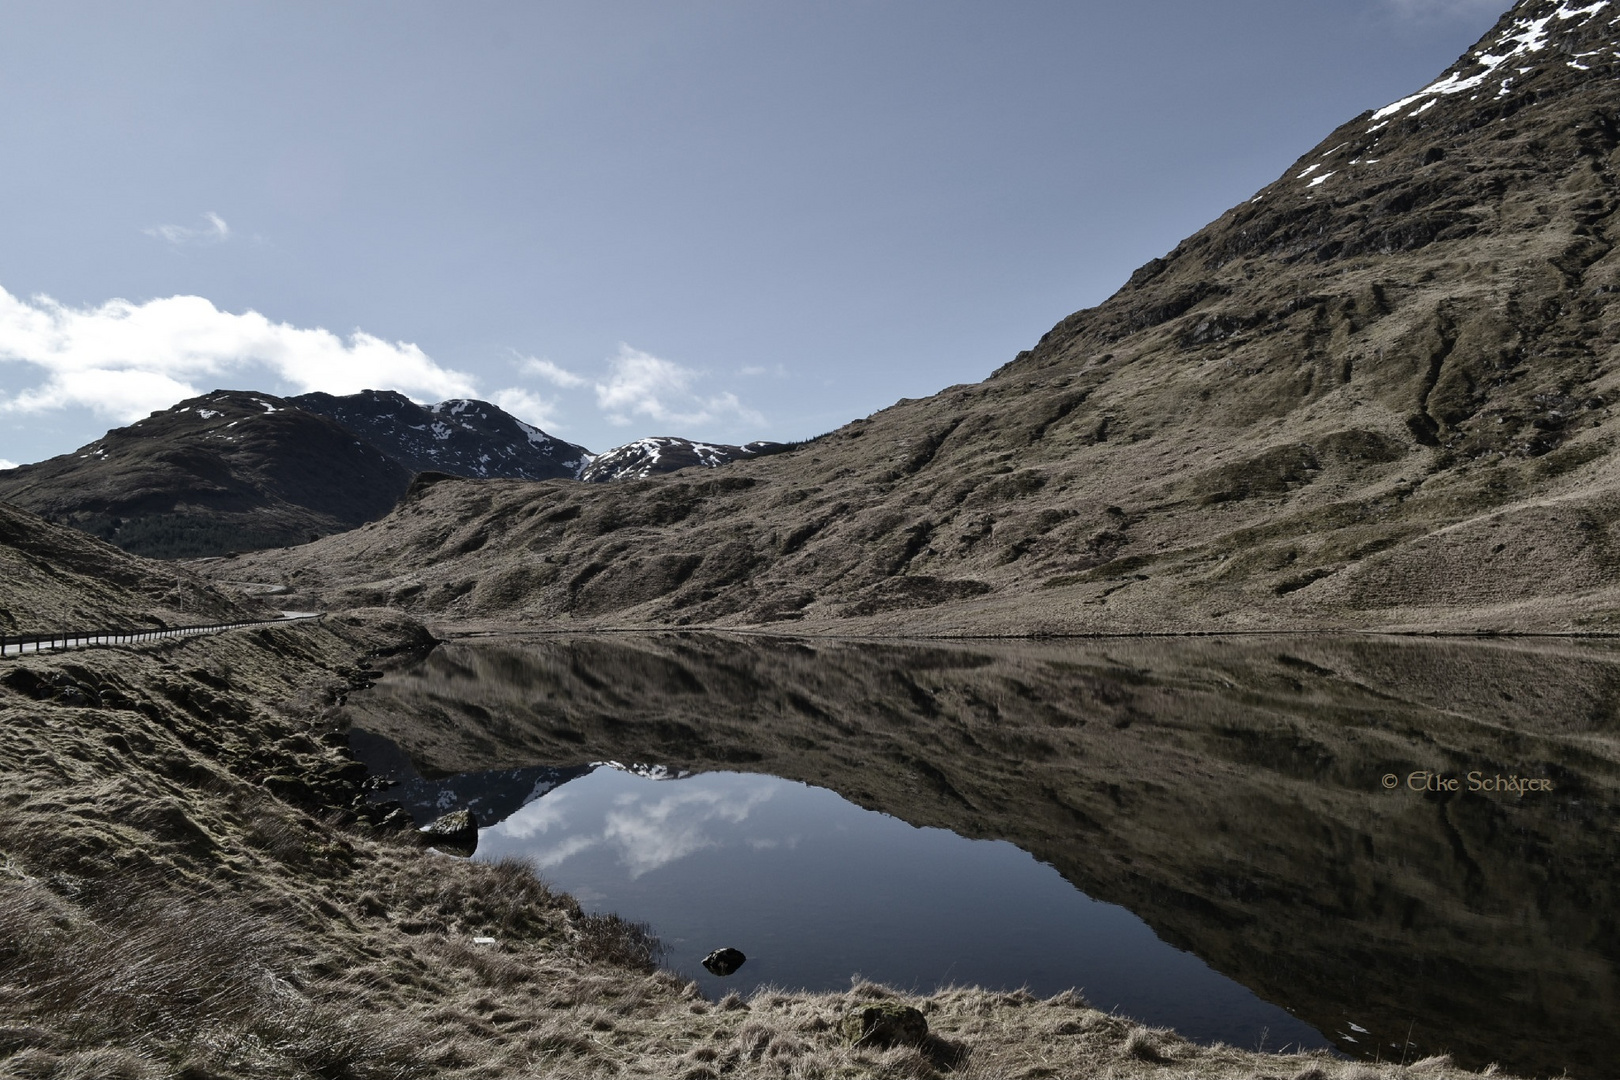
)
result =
(666, 453)
(229, 470)
(460, 437)
(1380, 393)
(237, 469)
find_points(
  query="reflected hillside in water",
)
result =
(1231, 792)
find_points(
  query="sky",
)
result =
(723, 219)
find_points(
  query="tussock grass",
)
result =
(132, 963)
(150, 978)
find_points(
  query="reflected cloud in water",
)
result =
(646, 830)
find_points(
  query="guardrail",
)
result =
(17, 644)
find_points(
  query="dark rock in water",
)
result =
(723, 962)
(883, 1023)
(456, 831)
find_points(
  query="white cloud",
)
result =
(557, 376)
(641, 384)
(7, 463)
(125, 360)
(212, 231)
(528, 407)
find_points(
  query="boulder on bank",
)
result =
(456, 831)
(884, 1023)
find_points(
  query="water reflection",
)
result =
(815, 889)
(642, 829)
(1228, 792)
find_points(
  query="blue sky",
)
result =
(727, 220)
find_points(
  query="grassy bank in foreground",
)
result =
(186, 890)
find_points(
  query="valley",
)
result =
(1178, 602)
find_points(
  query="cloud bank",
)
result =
(641, 384)
(125, 360)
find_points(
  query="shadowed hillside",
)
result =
(232, 470)
(1378, 394)
(56, 578)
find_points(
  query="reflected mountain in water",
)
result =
(1231, 792)
(491, 794)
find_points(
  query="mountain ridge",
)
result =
(657, 454)
(237, 470)
(461, 436)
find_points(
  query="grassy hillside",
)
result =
(232, 470)
(56, 578)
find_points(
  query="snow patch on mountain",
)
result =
(1525, 38)
(664, 453)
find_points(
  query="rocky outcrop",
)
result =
(884, 1023)
(455, 832)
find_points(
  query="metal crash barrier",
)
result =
(17, 644)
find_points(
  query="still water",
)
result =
(1222, 835)
(814, 890)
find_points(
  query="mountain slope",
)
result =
(231, 469)
(237, 469)
(56, 578)
(460, 437)
(1378, 394)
